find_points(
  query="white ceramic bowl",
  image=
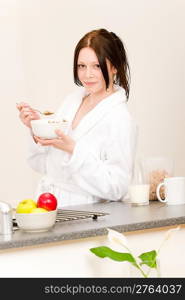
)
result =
(36, 222)
(45, 128)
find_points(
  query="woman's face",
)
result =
(89, 72)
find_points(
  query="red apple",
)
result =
(47, 201)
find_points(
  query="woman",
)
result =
(94, 161)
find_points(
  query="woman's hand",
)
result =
(27, 113)
(63, 142)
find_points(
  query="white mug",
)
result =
(174, 190)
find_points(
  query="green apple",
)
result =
(26, 206)
(38, 210)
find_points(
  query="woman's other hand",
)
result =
(27, 113)
(63, 142)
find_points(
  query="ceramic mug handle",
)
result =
(158, 192)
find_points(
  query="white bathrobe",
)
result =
(101, 165)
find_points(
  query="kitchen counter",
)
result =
(121, 216)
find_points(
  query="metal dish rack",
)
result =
(71, 215)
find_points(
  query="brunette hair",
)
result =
(106, 45)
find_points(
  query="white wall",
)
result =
(36, 55)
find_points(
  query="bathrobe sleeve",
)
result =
(107, 178)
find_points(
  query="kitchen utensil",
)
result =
(45, 113)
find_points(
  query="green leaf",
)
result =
(104, 251)
(149, 259)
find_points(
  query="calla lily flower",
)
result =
(118, 238)
(168, 235)
(149, 259)
(170, 232)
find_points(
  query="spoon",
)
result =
(45, 113)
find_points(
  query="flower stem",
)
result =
(136, 264)
(142, 272)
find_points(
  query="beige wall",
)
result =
(36, 54)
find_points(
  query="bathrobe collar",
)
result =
(97, 113)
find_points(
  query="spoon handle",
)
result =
(45, 113)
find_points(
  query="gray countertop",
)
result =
(122, 217)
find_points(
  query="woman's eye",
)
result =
(80, 66)
(97, 66)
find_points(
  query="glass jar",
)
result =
(154, 170)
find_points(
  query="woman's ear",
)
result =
(114, 70)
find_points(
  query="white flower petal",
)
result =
(117, 237)
(170, 232)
